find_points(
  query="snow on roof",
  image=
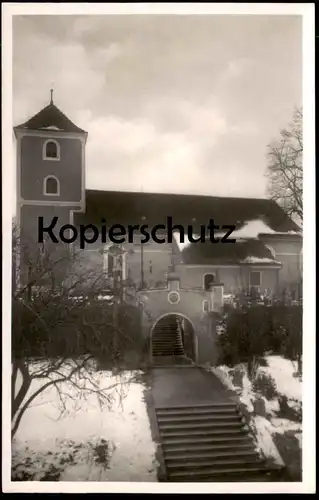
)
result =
(181, 245)
(259, 260)
(51, 127)
(251, 229)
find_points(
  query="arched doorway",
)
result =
(173, 336)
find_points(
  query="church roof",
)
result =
(130, 207)
(50, 118)
(242, 252)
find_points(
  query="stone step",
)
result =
(168, 354)
(211, 457)
(201, 425)
(198, 411)
(207, 445)
(202, 432)
(230, 472)
(166, 335)
(165, 353)
(166, 343)
(158, 345)
(199, 418)
(217, 404)
(171, 357)
(166, 347)
(167, 339)
(214, 464)
(164, 330)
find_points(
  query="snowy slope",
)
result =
(45, 437)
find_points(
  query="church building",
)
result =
(51, 182)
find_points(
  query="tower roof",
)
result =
(50, 118)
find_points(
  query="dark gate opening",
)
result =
(172, 339)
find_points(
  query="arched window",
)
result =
(209, 279)
(271, 250)
(51, 186)
(51, 150)
(205, 306)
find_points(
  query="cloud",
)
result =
(171, 103)
(136, 151)
(236, 68)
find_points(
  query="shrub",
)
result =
(254, 331)
(265, 385)
(245, 335)
(67, 328)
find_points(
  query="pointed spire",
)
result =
(51, 96)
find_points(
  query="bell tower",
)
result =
(50, 172)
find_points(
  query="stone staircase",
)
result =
(209, 442)
(167, 339)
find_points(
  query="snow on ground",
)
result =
(85, 428)
(282, 371)
(263, 431)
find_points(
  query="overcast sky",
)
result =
(183, 104)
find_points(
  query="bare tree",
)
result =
(284, 170)
(60, 330)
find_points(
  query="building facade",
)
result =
(267, 255)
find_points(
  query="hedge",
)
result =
(258, 330)
(65, 328)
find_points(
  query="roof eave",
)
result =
(283, 234)
(22, 129)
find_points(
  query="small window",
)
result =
(209, 279)
(255, 278)
(205, 306)
(51, 150)
(51, 186)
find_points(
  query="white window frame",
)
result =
(271, 250)
(45, 185)
(44, 150)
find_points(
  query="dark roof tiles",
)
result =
(129, 208)
(50, 118)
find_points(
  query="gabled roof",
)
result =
(50, 118)
(242, 252)
(129, 208)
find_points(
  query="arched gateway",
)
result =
(173, 334)
(179, 322)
